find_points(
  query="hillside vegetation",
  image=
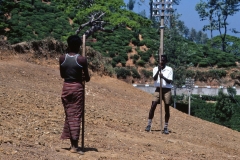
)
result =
(33, 36)
(130, 51)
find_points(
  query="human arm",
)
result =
(83, 62)
(167, 80)
(61, 60)
(86, 73)
(167, 77)
(156, 71)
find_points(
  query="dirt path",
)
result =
(32, 117)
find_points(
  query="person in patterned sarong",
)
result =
(74, 71)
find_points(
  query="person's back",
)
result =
(74, 71)
(72, 67)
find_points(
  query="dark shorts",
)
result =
(166, 95)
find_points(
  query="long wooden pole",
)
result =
(160, 57)
(189, 101)
(83, 109)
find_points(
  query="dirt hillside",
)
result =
(32, 118)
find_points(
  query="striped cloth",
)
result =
(73, 101)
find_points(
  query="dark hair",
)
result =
(74, 43)
(164, 56)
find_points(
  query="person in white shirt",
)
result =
(166, 75)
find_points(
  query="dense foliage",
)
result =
(26, 21)
(36, 22)
(217, 13)
(222, 109)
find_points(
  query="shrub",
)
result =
(122, 72)
(145, 58)
(203, 63)
(134, 61)
(135, 57)
(201, 109)
(142, 43)
(150, 44)
(141, 63)
(114, 64)
(123, 62)
(217, 73)
(235, 74)
(190, 73)
(135, 41)
(147, 73)
(135, 73)
(124, 55)
(128, 49)
(111, 54)
(109, 69)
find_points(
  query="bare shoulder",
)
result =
(82, 59)
(61, 58)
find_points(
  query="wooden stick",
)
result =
(83, 109)
(160, 96)
(160, 55)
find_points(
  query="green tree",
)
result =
(201, 38)
(131, 4)
(179, 52)
(122, 72)
(224, 108)
(58, 13)
(35, 21)
(143, 13)
(5, 8)
(231, 91)
(206, 12)
(232, 44)
(135, 73)
(193, 35)
(114, 14)
(218, 11)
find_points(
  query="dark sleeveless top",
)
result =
(71, 70)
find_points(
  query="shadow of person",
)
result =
(159, 130)
(90, 149)
(86, 149)
(155, 130)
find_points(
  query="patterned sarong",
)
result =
(72, 99)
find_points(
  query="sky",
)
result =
(190, 16)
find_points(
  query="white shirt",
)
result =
(167, 73)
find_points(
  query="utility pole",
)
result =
(159, 7)
(189, 85)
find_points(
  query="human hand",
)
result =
(83, 78)
(161, 75)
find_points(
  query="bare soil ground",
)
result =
(32, 118)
